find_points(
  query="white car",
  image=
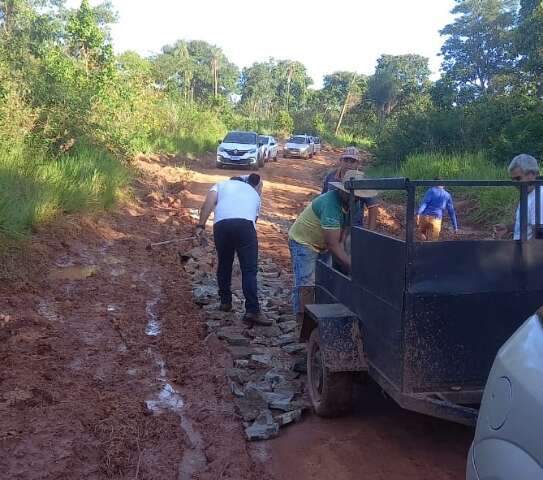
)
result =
(240, 149)
(271, 147)
(508, 442)
(299, 146)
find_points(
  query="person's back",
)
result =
(435, 202)
(236, 199)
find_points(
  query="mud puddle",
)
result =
(169, 398)
(73, 272)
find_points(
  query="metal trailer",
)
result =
(423, 319)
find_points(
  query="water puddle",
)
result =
(153, 328)
(73, 273)
(168, 399)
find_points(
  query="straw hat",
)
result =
(354, 175)
(351, 152)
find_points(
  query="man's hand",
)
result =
(200, 233)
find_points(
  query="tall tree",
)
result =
(479, 44)
(529, 40)
(398, 81)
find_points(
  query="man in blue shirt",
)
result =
(430, 213)
(350, 160)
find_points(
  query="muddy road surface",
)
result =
(107, 369)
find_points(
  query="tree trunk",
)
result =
(289, 79)
(345, 104)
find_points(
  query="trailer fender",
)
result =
(340, 336)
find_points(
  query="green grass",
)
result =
(347, 140)
(491, 205)
(34, 188)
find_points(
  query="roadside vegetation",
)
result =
(72, 112)
(487, 205)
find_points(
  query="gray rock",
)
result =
(287, 318)
(218, 315)
(294, 348)
(288, 417)
(278, 401)
(288, 386)
(258, 387)
(236, 390)
(238, 375)
(204, 294)
(250, 405)
(268, 332)
(261, 360)
(236, 340)
(263, 428)
(213, 325)
(288, 327)
(241, 363)
(240, 353)
(277, 376)
(286, 339)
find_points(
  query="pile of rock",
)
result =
(267, 377)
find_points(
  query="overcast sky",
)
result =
(326, 35)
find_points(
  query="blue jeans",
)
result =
(304, 260)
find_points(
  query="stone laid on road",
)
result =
(288, 417)
(294, 348)
(263, 428)
(267, 380)
(289, 326)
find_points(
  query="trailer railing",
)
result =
(410, 187)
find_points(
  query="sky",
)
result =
(325, 35)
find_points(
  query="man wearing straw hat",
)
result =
(350, 160)
(319, 229)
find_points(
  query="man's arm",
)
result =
(425, 201)
(452, 213)
(208, 206)
(335, 247)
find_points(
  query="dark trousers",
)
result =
(237, 236)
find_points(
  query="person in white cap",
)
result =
(350, 160)
(319, 229)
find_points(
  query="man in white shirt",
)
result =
(523, 168)
(236, 203)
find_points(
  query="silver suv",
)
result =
(508, 442)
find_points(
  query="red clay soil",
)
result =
(85, 392)
(77, 366)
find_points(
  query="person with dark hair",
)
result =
(430, 214)
(236, 203)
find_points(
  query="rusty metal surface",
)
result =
(341, 339)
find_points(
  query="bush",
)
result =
(34, 188)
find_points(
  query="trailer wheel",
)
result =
(331, 392)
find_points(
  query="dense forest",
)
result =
(73, 113)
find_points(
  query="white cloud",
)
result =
(325, 36)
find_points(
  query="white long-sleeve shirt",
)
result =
(531, 216)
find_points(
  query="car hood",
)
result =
(237, 146)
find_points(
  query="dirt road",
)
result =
(107, 370)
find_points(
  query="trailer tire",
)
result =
(331, 393)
